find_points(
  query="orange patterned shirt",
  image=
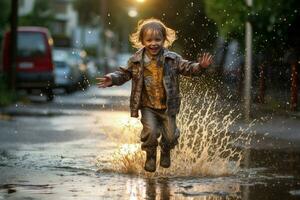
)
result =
(153, 93)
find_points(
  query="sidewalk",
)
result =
(93, 98)
(276, 129)
(276, 132)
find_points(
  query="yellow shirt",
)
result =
(153, 93)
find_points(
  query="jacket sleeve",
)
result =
(122, 75)
(188, 68)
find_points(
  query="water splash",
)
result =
(206, 146)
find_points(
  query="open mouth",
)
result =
(154, 48)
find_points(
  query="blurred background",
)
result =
(87, 38)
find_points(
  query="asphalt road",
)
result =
(68, 149)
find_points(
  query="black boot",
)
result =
(150, 164)
(165, 160)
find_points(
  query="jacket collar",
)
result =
(138, 56)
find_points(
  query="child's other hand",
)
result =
(104, 81)
(205, 60)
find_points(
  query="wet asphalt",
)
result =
(51, 150)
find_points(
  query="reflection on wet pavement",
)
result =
(53, 170)
(62, 165)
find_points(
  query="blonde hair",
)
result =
(155, 25)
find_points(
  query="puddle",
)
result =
(86, 164)
(206, 146)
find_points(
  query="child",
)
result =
(154, 72)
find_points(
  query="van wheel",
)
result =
(49, 94)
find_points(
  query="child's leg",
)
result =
(170, 135)
(149, 137)
(149, 134)
(170, 132)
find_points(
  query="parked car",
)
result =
(34, 69)
(75, 58)
(67, 73)
(64, 76)
(79, 57)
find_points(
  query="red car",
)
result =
(35, 68)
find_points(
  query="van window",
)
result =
(31, 45)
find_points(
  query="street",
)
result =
(85, 146)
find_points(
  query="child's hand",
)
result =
(205, 60)
(104, 81)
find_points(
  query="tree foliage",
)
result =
(271, 20)
(41, 15)
(88, 11)
(4, 17)
(4, 14)
(229, 16)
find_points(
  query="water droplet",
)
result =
(196, 134)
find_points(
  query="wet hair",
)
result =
(156, 26)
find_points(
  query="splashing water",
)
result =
(206, 146)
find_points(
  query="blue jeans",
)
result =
(158, 123)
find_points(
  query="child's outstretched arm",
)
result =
(205, 60)
(104, 82)
(116, 78)
(189, 68)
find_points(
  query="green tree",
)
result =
(229, 16)
(271, 20)
(275, 32)
(41, 15)
(88, 14)
(88, 11)
(4, 16)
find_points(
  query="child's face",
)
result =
(153, 42)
